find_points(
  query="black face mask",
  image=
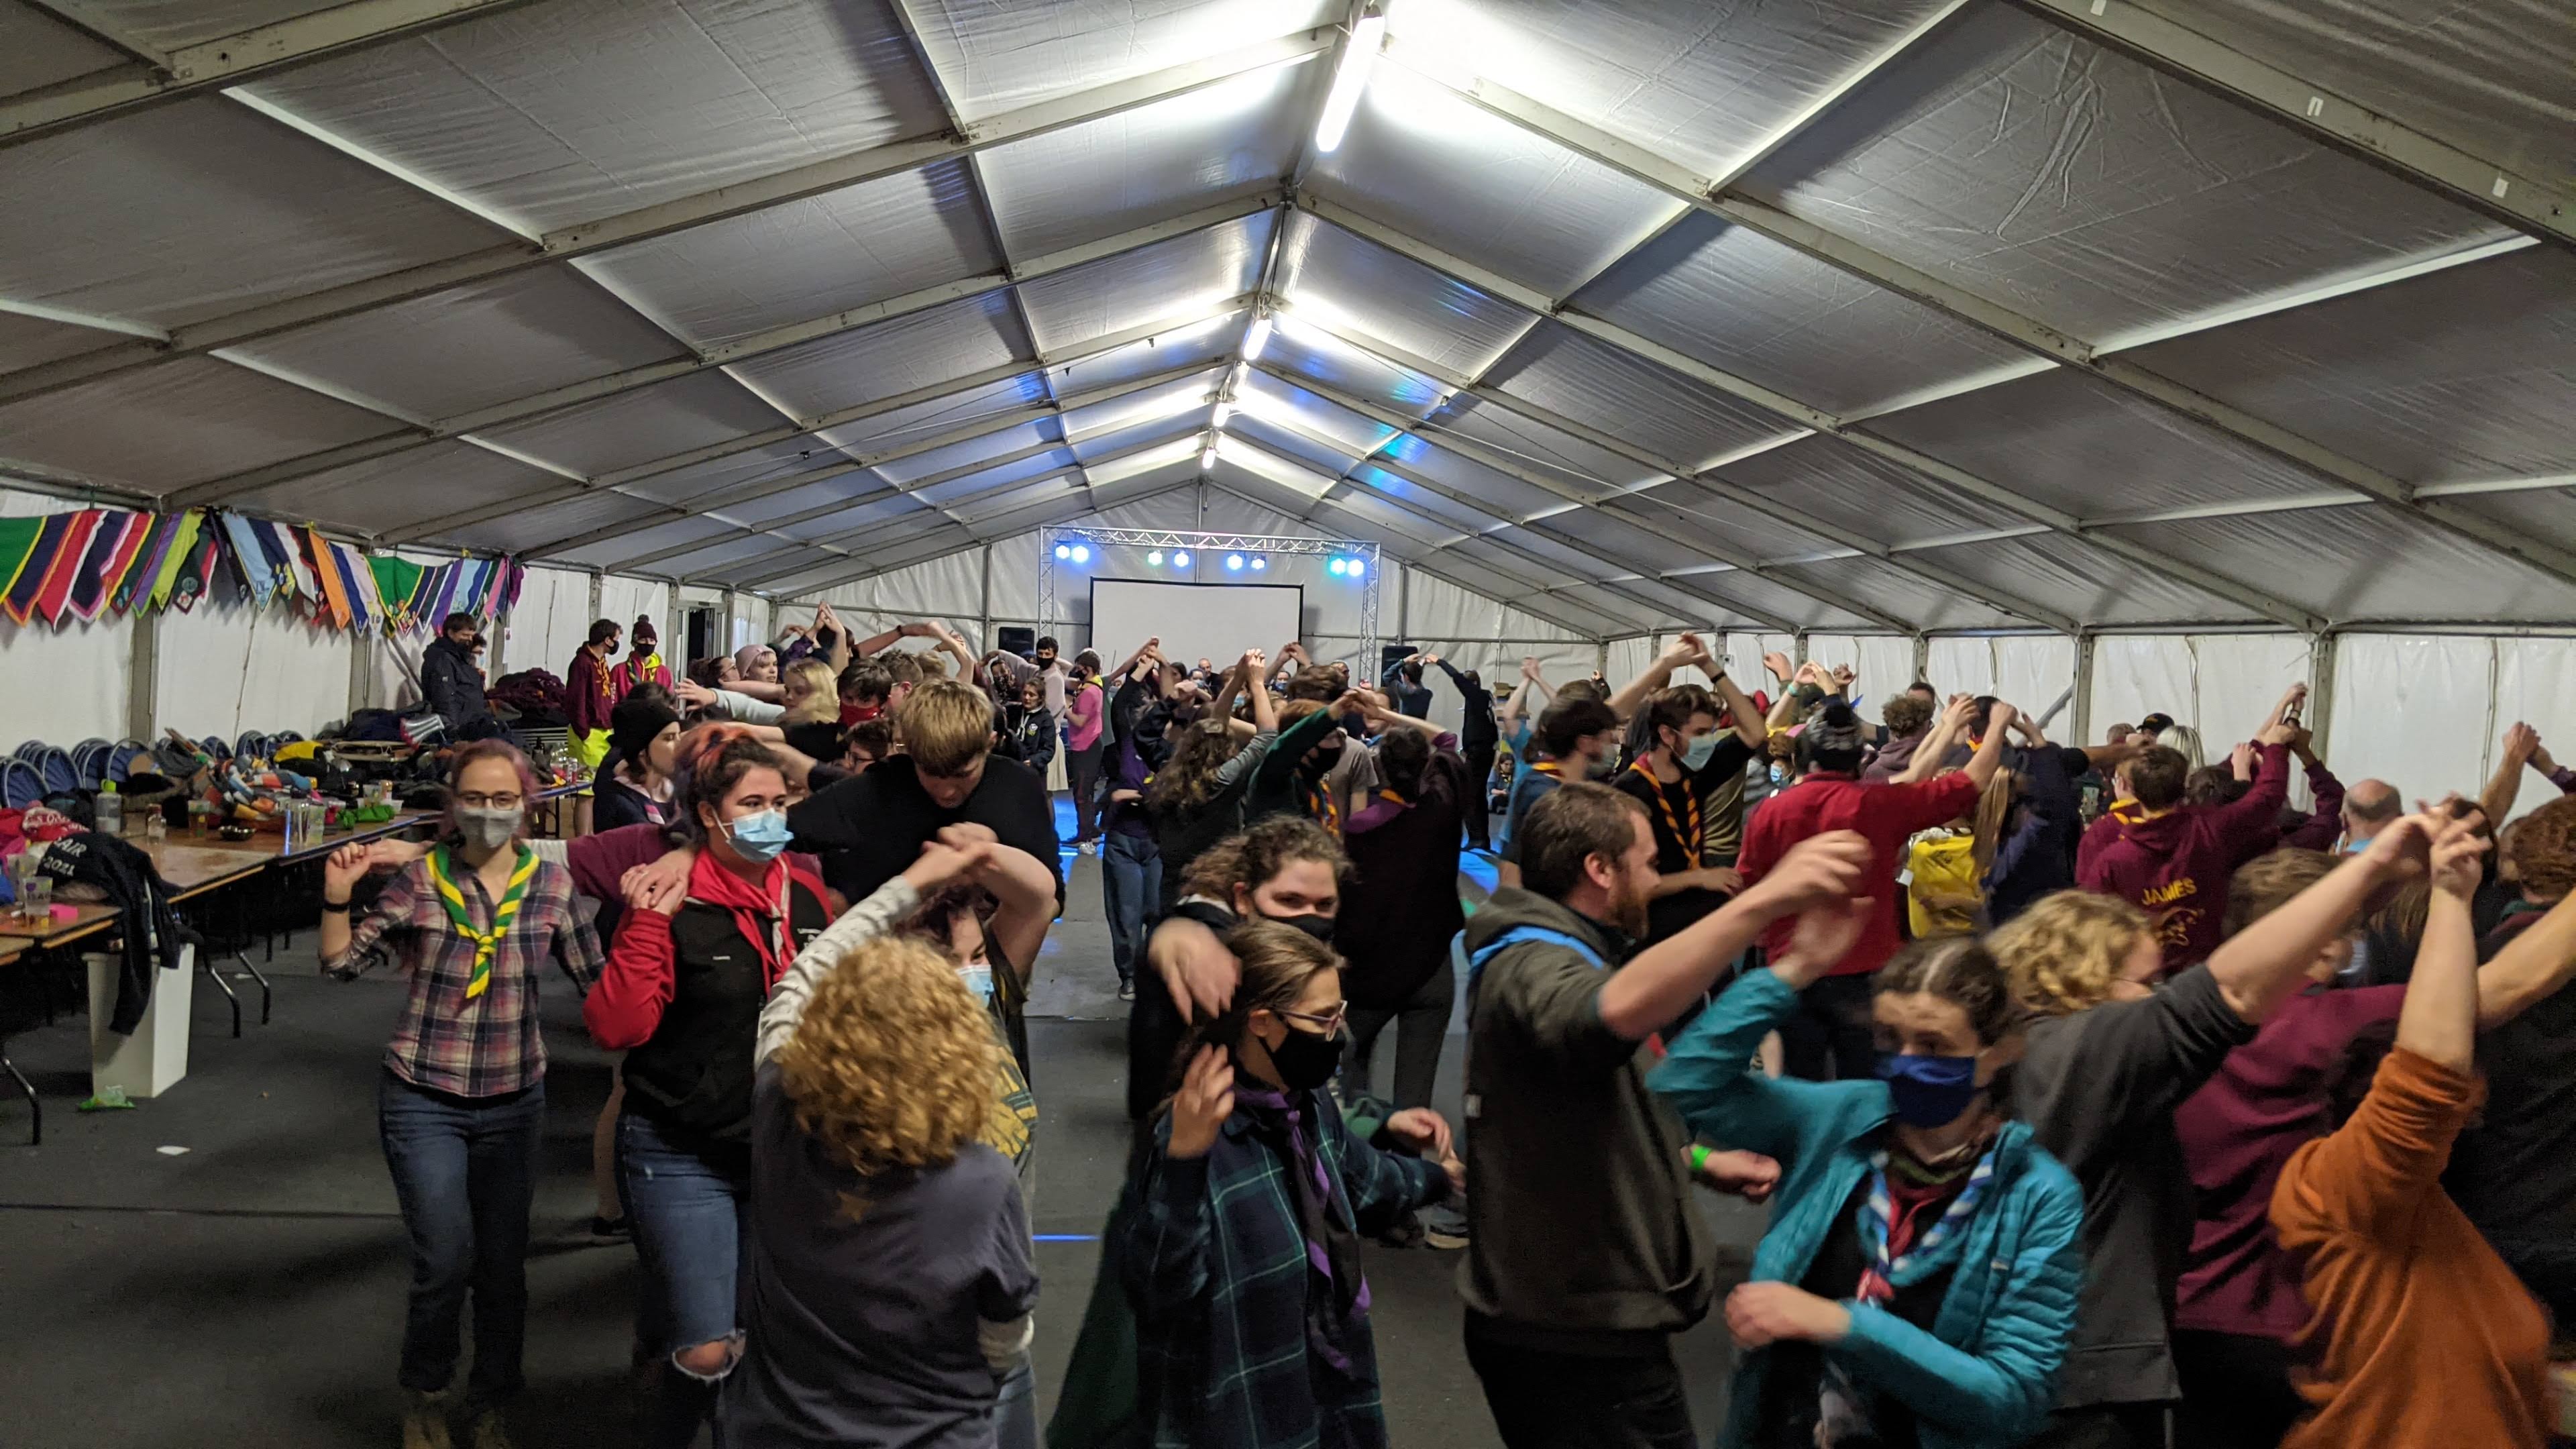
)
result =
(1307, 1059)
(1319, 927)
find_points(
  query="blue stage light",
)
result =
(1180, 560)
(1081, 553)
(1063, 550)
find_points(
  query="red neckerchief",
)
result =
(760, 913)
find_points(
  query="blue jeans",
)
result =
(1015, 1410)
(465, 1172)
(1131, 881)
(687, 1211)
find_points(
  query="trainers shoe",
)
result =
(1444, 1226)
(424, 1422)
(1407, 1232)
(1126, 990)
(605, 1232)
(1090, 847)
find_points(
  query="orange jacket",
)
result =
(2428, 1339)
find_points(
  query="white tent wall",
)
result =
(1882, 664)
(224, 671)
(61, 685)
(2428, 713)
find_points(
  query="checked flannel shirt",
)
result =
(490, 1045)
(1214, 1260)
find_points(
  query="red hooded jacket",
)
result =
(2175, 865)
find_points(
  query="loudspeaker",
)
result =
(1388, 656)
(1017, 639)
(704, 640)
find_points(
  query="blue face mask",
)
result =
(1695, 755)
(761, 837)
(1928, 1091)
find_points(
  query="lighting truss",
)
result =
(1216, 545)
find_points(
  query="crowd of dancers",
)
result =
(2097, 1097)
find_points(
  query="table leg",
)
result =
(263, 986)
(226, 987)
(35, 1107)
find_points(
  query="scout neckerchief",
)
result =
(1320, 804)
(607, 686)
(1690, 843)
(1548, 767)
(487, 943)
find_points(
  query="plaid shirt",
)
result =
(488, 1046)
(1213, 1258)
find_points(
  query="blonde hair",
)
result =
(822, 703)
(892, 1064)
(2065, 951)
(1993, 816)
(2183, 740)
(932, 666)
(946, 726)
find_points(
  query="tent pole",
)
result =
(143, 685)
(2083, 725)
(984, 641)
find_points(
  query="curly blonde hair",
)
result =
(2065, 951)
(892, 1065)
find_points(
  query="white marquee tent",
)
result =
(2178, 349)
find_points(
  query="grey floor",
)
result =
(249, 1290)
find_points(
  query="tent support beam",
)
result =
(888, 563)
(2431, 161)
(696, 360)
(834, 545)
(1530, 299)
(1533, 609)
(663, 218)
(1875, 267)
(227, 60)
(621, 479)
(1549, 568)
(1745, 498)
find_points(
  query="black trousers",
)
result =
(1545, 1400)
(1830, 1038)
(2236, 1390)
(2107, 1426)
(1480, 821)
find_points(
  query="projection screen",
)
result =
(1214, 621)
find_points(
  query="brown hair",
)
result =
(2213, 785)
(893, 1063)
(1277, 963)
(2542, 849)
(2269, 881)
(900, 667)
(947, 726)
(1316, 682)
(1961, 971)
(2156, 776)
(866, 682)
(1905, 714)
(1568, 826)
(1260, 853)
(2065, 951)
(711, 763)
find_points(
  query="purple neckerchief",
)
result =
(1306, 1161)
(1381, 810)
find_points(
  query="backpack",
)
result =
(1942, 895)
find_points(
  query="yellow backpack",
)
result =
(1942, 895)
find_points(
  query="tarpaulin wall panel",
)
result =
(224, 671)
(61, 686)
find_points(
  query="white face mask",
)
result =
(488, 829)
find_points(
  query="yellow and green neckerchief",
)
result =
(487, 943)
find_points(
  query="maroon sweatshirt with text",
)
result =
(2175, 865)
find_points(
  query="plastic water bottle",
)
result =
(110, 811)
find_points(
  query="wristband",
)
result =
(337, 908)
(1699, 1158)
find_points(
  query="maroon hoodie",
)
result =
(2175, 865)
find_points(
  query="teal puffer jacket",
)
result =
(1984, 1377)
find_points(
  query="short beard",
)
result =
(1628, 910)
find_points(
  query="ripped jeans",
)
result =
(686, 1205)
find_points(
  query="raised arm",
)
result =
(1025, 889)
(1248, 675)
(1944, 736)
(2378, 1169)
(2531, 968)
(1683, 649)
(1750, 726)
(2252, 820)
(2265, 964)
(1990, 750)
(879, 914)
(1653, 988)
(2521, 742)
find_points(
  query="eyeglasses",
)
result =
(1328, 1025)
(510, 801)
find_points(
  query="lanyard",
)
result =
(1690, 843)
(487, 943)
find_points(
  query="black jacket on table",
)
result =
(450, 685)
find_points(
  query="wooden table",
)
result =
(551, 800)
(192, 869)
(17, 938)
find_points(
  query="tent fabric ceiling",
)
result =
(1837, 315)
